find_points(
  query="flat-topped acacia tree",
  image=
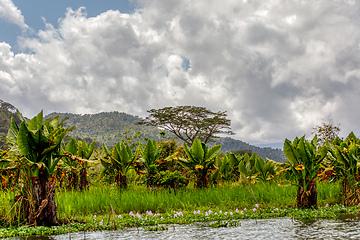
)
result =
(190, 122)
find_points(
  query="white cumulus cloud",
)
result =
(11, 13)
(278, 67)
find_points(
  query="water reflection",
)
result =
(284, 228)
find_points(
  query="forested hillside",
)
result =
(108, 127)
(230, 144)
(6, 112)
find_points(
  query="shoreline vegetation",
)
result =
(104, 207)
(52, 184)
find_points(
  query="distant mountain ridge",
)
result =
(108, 127)
(7, 111)
(230, 144)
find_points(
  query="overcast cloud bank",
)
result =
(278, 67)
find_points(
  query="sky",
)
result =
(278, 67)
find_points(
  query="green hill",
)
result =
(6, 112)
(108, 127)
(230, 145)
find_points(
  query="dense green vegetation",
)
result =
(109, 128)
(7, 111)
(35, 149)
(108, 207)
(188, 123)
(39, 172)
(99, 199)
(229, 145)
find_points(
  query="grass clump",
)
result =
(105, 207)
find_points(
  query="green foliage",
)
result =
(76, 159)
(327, 131)
(36, 149)
(345, 161)
(224, 169)
(38, 141)
(119, 161)
(304, 158)
(7, 111)
(250, 169)
(189, 122)
(242, 152)
(200, 160)
(108, 127)
(247, 168)
(9, 170)
(111, 127)
(80, 148)
(159, 221)
(240, 148)
(150, 155)
(171, 180)
(266, 169)
(98, 199)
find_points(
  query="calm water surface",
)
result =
(280, 228)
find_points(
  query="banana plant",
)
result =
(200, 161)
(266, 169)
(223, 169)
(345, 159)
(304, 160)
(247, 168)
(118, 162)
(150, 155)
(235, 160)
(38, 142)
(78, 160)
(9, 172)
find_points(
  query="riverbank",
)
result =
(160, 221)
(108, 208)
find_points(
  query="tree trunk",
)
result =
(307, 199)
(350, 193)
(202, 180)
(45, 205)
(60, 175)
(83, 180)
(73, 180)
(121, 180)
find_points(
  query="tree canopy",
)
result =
(190, 122)
(327, 131)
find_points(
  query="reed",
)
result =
(99, 199)
(105, 207)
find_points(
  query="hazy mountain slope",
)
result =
(230, 144)
(6, 112)
(108, 126)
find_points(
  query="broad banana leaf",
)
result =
(197, 151)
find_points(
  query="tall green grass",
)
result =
(6, 202)
(99, 199)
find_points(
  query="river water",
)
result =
(279, 228)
